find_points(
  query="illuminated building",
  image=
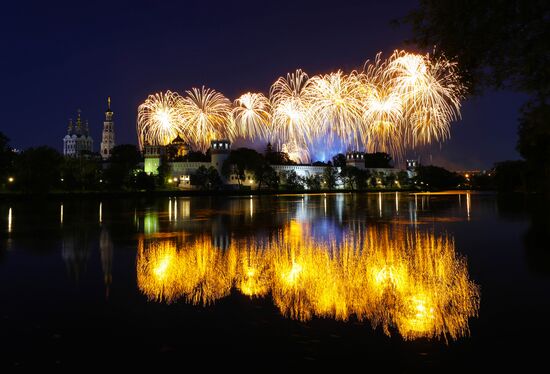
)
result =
(108, 136)
(78, 139)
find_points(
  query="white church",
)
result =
(79, 142)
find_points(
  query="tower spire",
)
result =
(108, 103)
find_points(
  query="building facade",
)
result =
(108, 135)
(78, 139)
(180, 172)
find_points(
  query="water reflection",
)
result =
(399, 279)
(106, 254)
(9, 220)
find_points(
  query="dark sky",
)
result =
(60, 56)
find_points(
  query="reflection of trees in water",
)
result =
(408, 280)
(536, 238)
(106, 254)
(75, 251)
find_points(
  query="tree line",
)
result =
(44, 169)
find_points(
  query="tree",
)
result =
(511, 176)
(403, 178)
(38, 169)
(163, 171)
(498, 43)
(377, 160)
(389, 180)
(144, 181)
(330, 177)
(214, 180)
(7, 157)
(347, 177)
(435, 177)
(339, 160)
(122, 166)
(293, 181)
(241, 160)
(200, 178)
(196, 156)
(278, 158)
(534, 143)
(265, 174)
(80, 173)
(207, 178)
(313, 182)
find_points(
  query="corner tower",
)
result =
(219, 152)
(108, 137)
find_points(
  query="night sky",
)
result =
(58, 57)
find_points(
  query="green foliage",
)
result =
(196, 156)
(206, 178)
(378, 160)
(313, 182)
(7, 157)
(278, 158)
(266, 175)
(122, 166)
(245, 159)
(80, 173)
(498, 43)
(511, 176)
(293, 181)
(403, 178)
(437, 178)
(163, 172)
(330, 178)
(339, 160)
(38, 169)
(534, 143)
(144, 181)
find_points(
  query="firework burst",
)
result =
(336, 109)
(251, 116)
(402, 102)
(205, 113)
(291, 120)
(431, 94)
(160, 119)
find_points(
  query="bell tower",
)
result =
(108, 138)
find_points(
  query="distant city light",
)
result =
(11, 179)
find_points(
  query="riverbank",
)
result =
(8, 195)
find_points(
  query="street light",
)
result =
(10, 179)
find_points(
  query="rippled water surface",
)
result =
(393, 281)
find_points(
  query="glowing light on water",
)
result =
(380, 203)
(468, 205)
(9, 219)
(100, 212)
(61, 214)
(397, 203)
(394, 278)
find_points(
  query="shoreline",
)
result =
(7, 195)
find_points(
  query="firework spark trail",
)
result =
(382, 111)
(160, 119)
(336, 108)
(251, 116)
(290, 100)
(403, 102)
(431, 94)
(205, 113)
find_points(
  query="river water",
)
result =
(392, 281)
